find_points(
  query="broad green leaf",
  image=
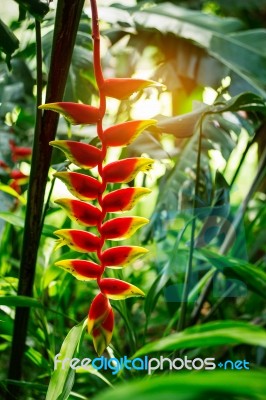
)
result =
(18, 221)
(253, 39)
(182, 125)
(244, 60)
(193, 25)
(61, 377)
(19, 301)
(246, 101)
(253, 277)
(192, 386)
(218, 333)
(37, 358)
(217, 35)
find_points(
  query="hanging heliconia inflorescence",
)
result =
(86, 188)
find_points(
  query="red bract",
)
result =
(75, 113)
(101, 322)
(81, 241)
(102, 335)
(122, 88)
(81, 154)
(123, 199)
(116, 289)
(81, 269)
(86, 188)
(123, 134)
(4, 165)
(17, 174)
(19, 152)
(82, 186)
(122, 227)
(83, 213)
(119, 256)
(124, 171)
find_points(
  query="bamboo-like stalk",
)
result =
(66, 25)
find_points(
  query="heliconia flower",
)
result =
(123, 199)
(117, 257)
(81, 269)
(122, 88)
(99, 310)
(123, 134)
(75, 113)
(4, 165)
(81, 241)
(115, 289)
(18, 175)
(100, 322)
(81, 154)
(122, 227)
(125, 170)
(83, 213)
(102, 335)
(82, 186)
(15, 185)
(19, 152)
(17, 180)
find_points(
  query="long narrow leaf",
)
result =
(60, 376)
(253, 277)
(218, 333)
(189, 386)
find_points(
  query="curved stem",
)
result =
(96, 45)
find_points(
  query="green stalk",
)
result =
(66, 25)
(188, 275)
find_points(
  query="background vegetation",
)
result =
(205, 274)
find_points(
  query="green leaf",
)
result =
(246, 101)
(244, 60)
(253, 277)
(218, 333)
(63, 377)
(192, 386)
(218, 36)
(16, 220)
(12, 192)
(182, 125)
(19, 301)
